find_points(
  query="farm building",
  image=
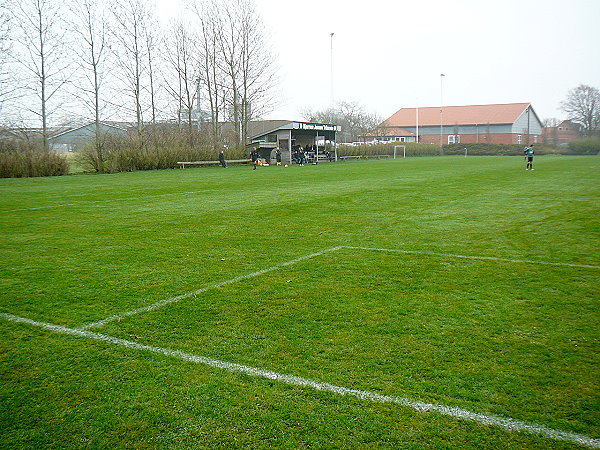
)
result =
(565, 132)
(510, 123)
(72, 139)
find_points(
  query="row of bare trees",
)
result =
(350, 115)
(99, 60)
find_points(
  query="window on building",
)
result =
(402, 139)
(454, 139)
(535, 139)
(519, 139)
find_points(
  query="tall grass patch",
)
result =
(152, 150)
(32, 163)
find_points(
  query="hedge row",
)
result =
(23, 159)
(589, 147)
(586, 147)
(155, 152)
(32, 163)
(412, 149)
(487, 149)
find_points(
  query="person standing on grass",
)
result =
(529, 151)
(254, 157)
(222, 159)
(278, 157)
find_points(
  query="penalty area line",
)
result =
(167, 301)
(507, 424)
(485, 258)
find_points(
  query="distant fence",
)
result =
(588, 147)
(412, 149)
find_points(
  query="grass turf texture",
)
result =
(513, 339)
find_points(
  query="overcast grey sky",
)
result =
(389, 54)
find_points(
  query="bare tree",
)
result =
(352, 118)
(7, 85)
(229, 42)
(356, 120)
(257, 70)
(90, 26)
(583, 106)
(236, 63)
(181, 54)
(131, 17)
(210, 63)
(41, 43)
(150, 45)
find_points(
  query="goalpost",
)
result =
(403, 147)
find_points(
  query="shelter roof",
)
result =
(264, 127)
(259, 127)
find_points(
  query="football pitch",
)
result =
(442, 302)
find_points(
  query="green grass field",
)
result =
(141, 310)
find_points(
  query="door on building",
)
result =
(286, 153)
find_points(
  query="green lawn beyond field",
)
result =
(414, 303)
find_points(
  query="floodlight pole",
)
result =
(417, 122)
(528, 123)
(441, 111)
(331, 67)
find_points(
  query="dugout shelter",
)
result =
(288, 136)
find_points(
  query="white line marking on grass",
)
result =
(511, 425)
(312, 255)
(101, 202)
(489, 258)
(161, 303)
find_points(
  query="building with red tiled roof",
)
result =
(510, 123)
(565, 132)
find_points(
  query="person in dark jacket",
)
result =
(222, 159)
(278, 157)
(254, 158)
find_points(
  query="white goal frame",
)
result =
(403, 150)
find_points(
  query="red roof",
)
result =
(390, 131)
(458, 115)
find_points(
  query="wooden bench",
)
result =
(377, 156)
(322, 158)
(182, 164)
(363, 157)
(350, 157)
